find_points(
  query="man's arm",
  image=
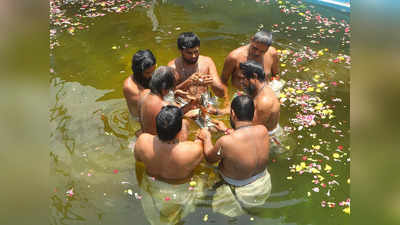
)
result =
(275, 63)
(173, 66)
(219, 88)
(228, 69)
(210, 151)
(262, 113)
(131, 95)
(137, 150)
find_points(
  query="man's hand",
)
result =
(205, 80)
(194, 79)
(192, 114)
(204, 135)
(181, 93)
(219, 125)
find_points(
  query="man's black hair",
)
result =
(188, 40)
(142, 60)
(243, 106)
(263, 37)
(162, 79)
(169, 122)
(252, 67)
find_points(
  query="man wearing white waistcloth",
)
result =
(267, 105)
(169, 187)
(243, 155)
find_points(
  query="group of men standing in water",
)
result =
(162, 143)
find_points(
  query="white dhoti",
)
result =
(233, 200)
(165, 203)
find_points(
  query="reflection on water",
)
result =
(94, 176)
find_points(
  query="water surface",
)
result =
(92, 164)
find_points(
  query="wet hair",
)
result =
(142, 60)
(243, 106)
(263, 37)
(188, 40)
(252, 67)
(162, 79)
(169, 122)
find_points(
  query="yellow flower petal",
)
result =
(347, 210)
(327, 167)
(314, 170)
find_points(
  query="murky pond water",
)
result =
(94, 176)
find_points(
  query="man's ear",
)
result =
(233, 114)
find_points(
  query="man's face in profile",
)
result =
(190, 55)
(257, 49)
(146, 77)
(247, 86)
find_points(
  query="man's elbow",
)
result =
(219, 91)
(211, 159)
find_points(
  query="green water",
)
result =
(91, 132)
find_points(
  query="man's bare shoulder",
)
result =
(226, 139)
(144, 138)
(130, 87)
(264, 102)
(189, 150)
(190, 146)
(206, 59)
(237, 53)
(172, 63)
(261, 129)
(272, 51)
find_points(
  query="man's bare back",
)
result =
(169, 162)
(132, 93)
(269, 61)
(267, 108)
(244, 152)
(150, 105)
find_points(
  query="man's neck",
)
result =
(171, 142)
(185, 64)
(260, 87)
(158, 95)
(242, 124)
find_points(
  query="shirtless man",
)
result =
(161, 84)
(260, 50)
(267, 105)
(143, 66)
(164, 156)
(245, 182)
(194, 72)
(244, 152)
